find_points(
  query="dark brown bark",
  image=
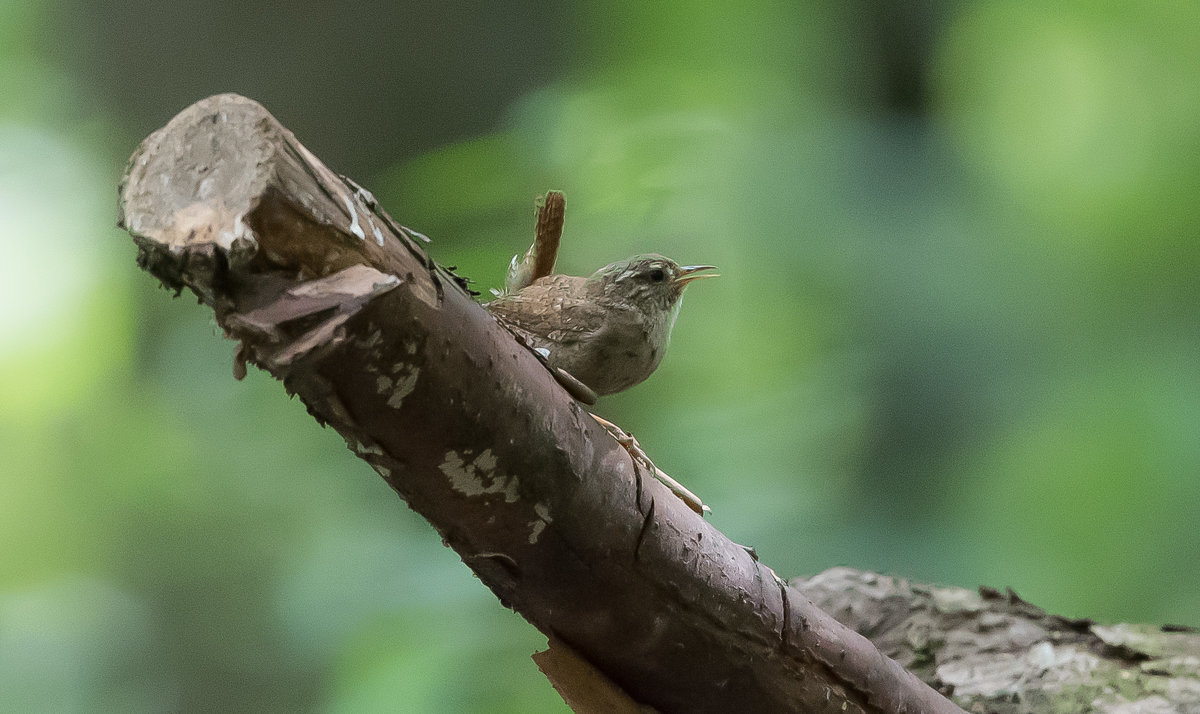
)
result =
(327, 293)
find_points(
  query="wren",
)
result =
(608, 330)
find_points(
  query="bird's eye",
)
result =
(657, 275)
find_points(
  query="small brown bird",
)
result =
(608, 330)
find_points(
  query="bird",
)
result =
(608, 330)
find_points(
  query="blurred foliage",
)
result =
(955, 338)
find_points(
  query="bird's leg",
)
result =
(631, 445)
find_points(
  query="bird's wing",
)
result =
(560, 315)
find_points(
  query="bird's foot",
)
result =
(631, 445)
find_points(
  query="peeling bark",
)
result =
(326, 292)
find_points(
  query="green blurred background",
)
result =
(955, 339)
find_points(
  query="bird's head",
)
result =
(650, 282)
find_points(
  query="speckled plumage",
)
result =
(609, 330)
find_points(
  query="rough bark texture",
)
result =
(1002, 655)
(330, 295)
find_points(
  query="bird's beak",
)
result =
(688, 273)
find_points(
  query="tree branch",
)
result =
(327, 293)
(1002, 655)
